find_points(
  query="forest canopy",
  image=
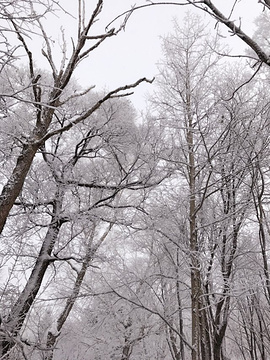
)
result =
(132, 236)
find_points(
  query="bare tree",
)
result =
(38, 109)
(183, 105)
(91, 176)
(43, 107)
(212, 134)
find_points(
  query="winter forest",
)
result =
(131, 235)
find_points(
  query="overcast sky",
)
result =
(135, 52)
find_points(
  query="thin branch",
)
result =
(236, 30)
(245, 83)
(129, 12)
(111, 94)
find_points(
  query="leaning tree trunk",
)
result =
(91, 251)
(19, 311)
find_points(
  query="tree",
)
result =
(214, 138)
(45, 103)
(47, 194)
(70, 219)
(86, 188)
(183, 103)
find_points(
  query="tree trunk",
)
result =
(52, 337)
(14, 185)
(21, 308)
(180, 312)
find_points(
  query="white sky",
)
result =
(134, 53)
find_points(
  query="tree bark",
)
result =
(20, 309)
(15, 183)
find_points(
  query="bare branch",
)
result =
(236, 30)
(111, 94)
